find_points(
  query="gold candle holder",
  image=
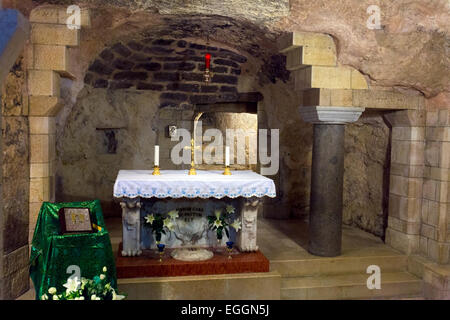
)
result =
(192, 171)
(227, 171)
(156, 171)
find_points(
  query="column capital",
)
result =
(330, 115)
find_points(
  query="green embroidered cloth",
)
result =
(52, 253)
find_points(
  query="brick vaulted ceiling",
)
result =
(174, 67)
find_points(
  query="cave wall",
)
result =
(15, 182)
(366, 173)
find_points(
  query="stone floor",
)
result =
(284, 243)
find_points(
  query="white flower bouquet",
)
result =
(85, 289)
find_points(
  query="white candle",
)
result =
(227, 156)
(157, 156)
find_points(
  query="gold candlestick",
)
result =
(156, 171)
(227, 171)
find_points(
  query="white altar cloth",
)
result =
(178, 184)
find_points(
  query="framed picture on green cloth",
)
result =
(54, 256)
(75, 220)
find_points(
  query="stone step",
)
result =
(338, 265)
(350, 286)
(242, 286)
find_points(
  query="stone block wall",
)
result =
(48, 60)
(406, 179)
(435, 226)
(419, 214)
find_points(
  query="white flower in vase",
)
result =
(149, 218)
(236, 225)
(169, 224)
(72, 285)
(217, 213)
(102, 277)
(173, 214)
(217, 223)
(44, 297)
(52, 290)
(229, 209)
(105, 269)
(94, 297)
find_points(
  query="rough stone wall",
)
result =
(366, 175)
(15, 182)
(108, 130)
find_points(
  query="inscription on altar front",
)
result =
(188, 214)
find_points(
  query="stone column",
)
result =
(325, 218)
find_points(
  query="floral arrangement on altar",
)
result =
(85, 289)
(221, 221)
(160, 225)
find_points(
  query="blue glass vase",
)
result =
(229, 248)
(161, 250)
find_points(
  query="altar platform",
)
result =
(148, 264)
(293, 272)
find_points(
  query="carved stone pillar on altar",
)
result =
(246, 238)
(131, 221)
(325, 219)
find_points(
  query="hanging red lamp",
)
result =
(207, 73)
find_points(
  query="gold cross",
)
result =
(192, 147)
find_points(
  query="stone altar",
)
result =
(195, 197)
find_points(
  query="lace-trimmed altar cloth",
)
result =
(178, 184)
